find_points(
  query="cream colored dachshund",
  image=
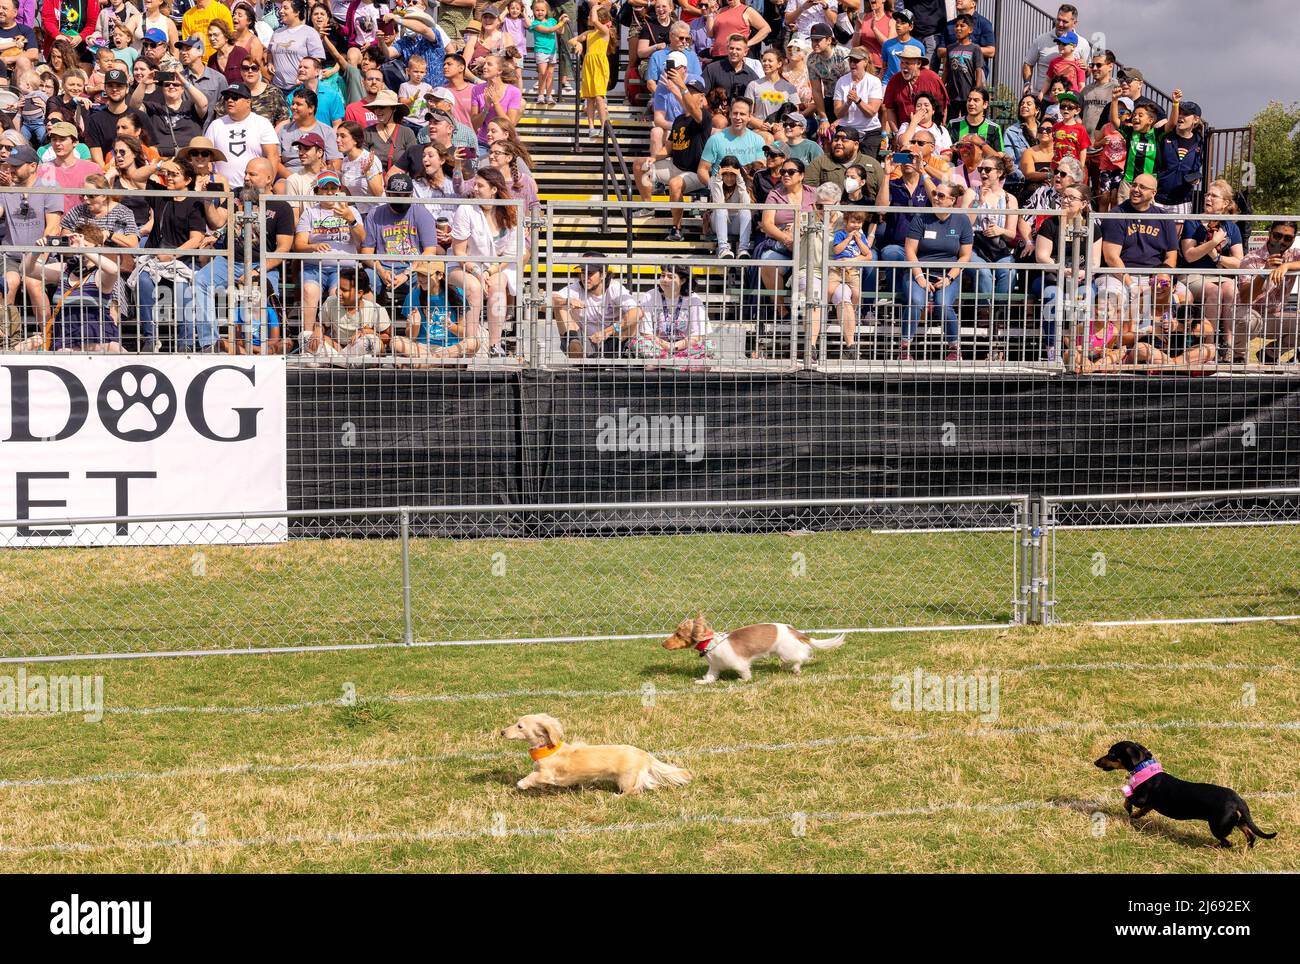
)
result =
(560, 764)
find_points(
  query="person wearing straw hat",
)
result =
(434, 313)
(388, 139)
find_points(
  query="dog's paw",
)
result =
(522, 784)
(704, 682)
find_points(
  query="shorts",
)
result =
(546, 58)
(664, 170)
(1108, 181)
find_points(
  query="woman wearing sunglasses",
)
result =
(780, 224)
(1036, 159)
(936, 237)
(674, 322)
(266, 99)
(996, 230)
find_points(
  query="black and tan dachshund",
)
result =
(1150, 788)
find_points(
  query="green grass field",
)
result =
(249, 764)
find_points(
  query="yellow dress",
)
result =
(595, 65)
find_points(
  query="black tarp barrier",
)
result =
(363, 437)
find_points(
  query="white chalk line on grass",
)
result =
(329, 766)
(454, 697)
(436, 835)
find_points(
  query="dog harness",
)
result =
(542, 752)
(1144, 772)
(707, 645)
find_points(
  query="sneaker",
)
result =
(567, 90)
(496, 351)
(744, 254)
(954, 354)
(643, 213)
(903, 351)
(152, 347)
(675, 235)
(1052, 355)
(726, 252)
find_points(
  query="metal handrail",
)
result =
(608, 181)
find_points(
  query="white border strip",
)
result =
(332, 766)
(436, 835)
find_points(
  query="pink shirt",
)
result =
(52, 175)
(1270, 300)
(464, 102)
(511, 99)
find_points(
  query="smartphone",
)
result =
(57, 241)
(903, 157)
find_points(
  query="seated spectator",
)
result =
(1092, 341)
(1213, 243)
(352, 325)
(65, 170)
(388, 139)
(362, 173)
(84, 320)
(1019, 137)
(324, 227)
(851, 249)
(265, 99)
(912, 79)
(28, 219)
(595, 315)
(858, 98)
(213, 276)
(834, 164)
(666, 102)
(924, 118)
(1267, 324)
(442, 103)
(1037, 164)
(402, 228)
(225, 56)
(501, 130)
(1144, 300)
(178, 222)
(674, 322)
(433, 181)
(794, 127)
(678, 163)
(505, 157)
(768, 178)
(489, 236)
(736, 139)
(936, 237)
(975, 127)
(995, 235)
(728, 187)
(907, 189)
(359, 112)
(308, 151)
(435, 318)
(239, 125)
(779, 224)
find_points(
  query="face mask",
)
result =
(851, 184)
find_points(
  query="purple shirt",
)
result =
(412, 232)
(27, 13)
(510, 100)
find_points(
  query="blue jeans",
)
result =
(34, 130)
(986, 279)
(943, 299)
(723, 221)
(183, 298)
(213, 277)
(893, 278)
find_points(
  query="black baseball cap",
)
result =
(697, 86)
(238, 90)
(400, 183)
(821, 31)
(116, 77)
(901, 14)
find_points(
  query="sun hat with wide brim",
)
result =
(419, 16)
(386, 98)
(201, 144)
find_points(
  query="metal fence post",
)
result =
(408, 636)
(1047, 562)
(1035, 615)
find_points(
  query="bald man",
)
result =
(213, 277)
(1145, 244)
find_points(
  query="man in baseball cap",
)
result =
(398, 227)
(101, 125)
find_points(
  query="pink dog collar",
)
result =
(1140, 776)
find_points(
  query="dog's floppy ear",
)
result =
(1132, 754)
(699, 627)
(552, 728)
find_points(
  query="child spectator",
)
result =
(415, 90)
(434, 315)
(515, 24)
(728, 187)
(546, 28)
(963, 68)
(1055, 88)
(1071, 137)
(1066, 65)
(119, 41)
(1111, 161)
(595, 67)
(1143, 137)
(852, 243)
(31, 107)
(1182, 157)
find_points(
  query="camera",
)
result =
(58, 241)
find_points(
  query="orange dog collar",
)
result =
(542, 752)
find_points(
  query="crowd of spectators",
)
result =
(805, 104)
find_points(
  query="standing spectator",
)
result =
(800, 15)
(1182, 158)
(770, 96)
(595, 314)
(731, 73)
(568, 9)
(903, 21)
(1071, 137)
(877, 29)
(1265, 310)
(929, 19)
(66, 170)
(70, 19)
(398, 227)
(936, 237)
(226, 55)
(827, 63)
(454, 16)
(1067, 65)
(1044, 49)
(196, 73)
(177, 111)
(1143, 136)
(329, 105)
(1095, 100)
(494, 98)
(913, 79)
(359, 112)
(982, 33)
(858, 98)
(422, 37)
(242, 135)
(546, 29)
(963, 63)
(294, 40)
(101, 127)
(735, 18)
(243, 19)
(197, 18)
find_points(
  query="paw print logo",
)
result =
(137, 403)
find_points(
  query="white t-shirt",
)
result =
(1044, 50)
(813, 15)
(942, 139)
(241, 141)
(288, 46)
(358, 172)
(345, 324)
(472, 224)
(600, 311)
(673, 320)
(869, 88)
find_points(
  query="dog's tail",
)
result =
(658, 774)
(831, 643)
(1243, 818)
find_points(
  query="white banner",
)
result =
(96, 436)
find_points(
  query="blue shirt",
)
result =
(659, 59)
(748, 148)
(982, 36)
(889, 54)
(664, 100)
(436, 314)
(1195, 232)
(1143, 242)
(894, 230)
(329, 105)
(940, 240)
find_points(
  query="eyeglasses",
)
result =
(249, 68)
(1096, 66)
(171, 84)
(1059, 174)
(1281, 236)
(790, 171)
(170, 172)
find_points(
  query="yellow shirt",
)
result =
(196, 21)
